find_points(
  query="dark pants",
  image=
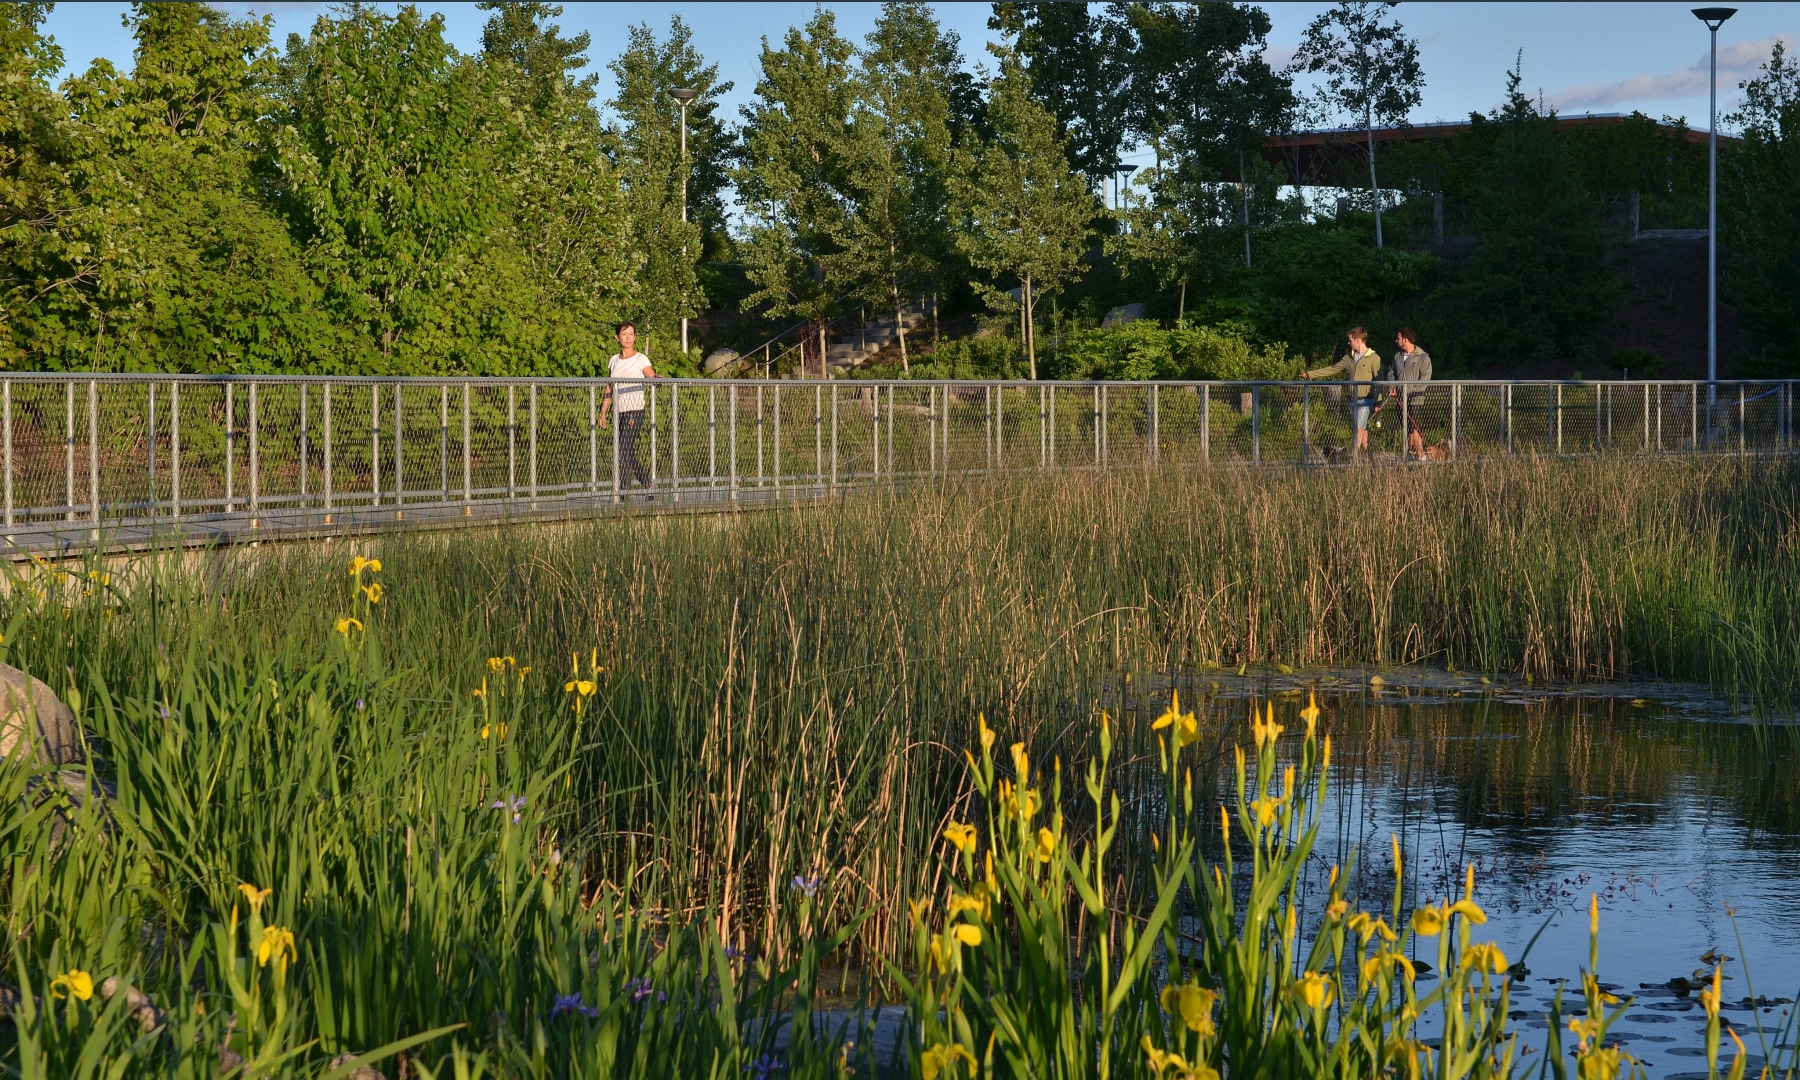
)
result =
(631, 467)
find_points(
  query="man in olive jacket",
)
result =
(1360, 368)
(1411, 371)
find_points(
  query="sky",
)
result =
(1582, 57)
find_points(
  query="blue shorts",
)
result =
(1360, 409)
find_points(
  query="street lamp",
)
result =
(684, 95)
(1713, 17)
(1119, 189)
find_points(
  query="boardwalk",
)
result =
(128, 462)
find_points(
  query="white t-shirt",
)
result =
(628, 397)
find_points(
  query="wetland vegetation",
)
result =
(613, 798)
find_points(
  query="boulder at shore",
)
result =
(33, 720)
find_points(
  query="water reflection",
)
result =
(1668, 806)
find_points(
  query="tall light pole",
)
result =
(1119, 189)
(1713, 17)
(684, 95)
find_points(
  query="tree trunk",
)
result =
(1181, 305)
(1374, 185)
(1030, 336)
(900, 329)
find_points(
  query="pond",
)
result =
(1676, 810)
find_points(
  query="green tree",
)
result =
(1075, 58)
(793, 174)
(1200, 92)
(1538, 284)
(900, 153)
(651, 169)
(569, 221)
(1760, 203)
(1371, 68)
(171, 257)
(394, 160)
(1019, 209)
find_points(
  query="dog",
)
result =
(1439, 452)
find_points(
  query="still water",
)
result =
(1680, 814)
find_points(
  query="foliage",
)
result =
(650, 170)
(1018, 209)
(1371, 69)
(1538, 285)
(1760, 211)
(1313, 281)
(1074, 58)
(979, 356)
(900, 157)
(1143, 350)
(796, 155)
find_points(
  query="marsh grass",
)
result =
(774, 742)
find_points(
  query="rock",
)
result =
(719, 359)
(10, 1000)
(1124, 313)
(230, 1061)
(1377, 681)
(33, 720)
(143, 1010)
(361, 1072)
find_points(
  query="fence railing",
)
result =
(86, 454)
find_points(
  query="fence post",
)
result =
(1256, 422)
(399, 455)
(1599, 416)
(777, 389)
(1000, 427)
(467, 453)
(512, 446)
(1644, 392)
(69, 451)
(1306, 425)
(617, 422)
(531, 443)
(1694, 417)
(650, 388)
(987, 419)
(1155, 422)
(1455, 417)
(1206, 422)
(94, 450)
(1741, 418)
(834, 438)
(327, 453)
(150, 449)
(255, 460)
(1506, 415)
(712, 436)
(818, 435)
(593, 440)
(444, 440)
(1559, 418)
(305, 450)
(1105, 427)
(890, 430)
(761, 473)
(230, 450)
(675, 440)
(375, 444)
(175, 449)
(6, 422)
(732, 438)
(1094, 419)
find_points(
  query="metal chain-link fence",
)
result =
(91, 454)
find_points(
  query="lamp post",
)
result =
(1125, 172)
(1713, 17)
(684, 95)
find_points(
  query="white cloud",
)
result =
(1736, 62)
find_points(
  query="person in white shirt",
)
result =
(628, 363)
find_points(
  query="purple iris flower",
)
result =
(572, 1003)
(640, 991)
(763, 1067)
(807, 885)
(515, 803)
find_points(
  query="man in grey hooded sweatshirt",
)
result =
(1411, 371)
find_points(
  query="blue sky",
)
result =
(1597, 58)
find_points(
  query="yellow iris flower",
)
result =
(1469, 910)
(1310, 714)
(968, 933)
(963, 836)
(1193, 1003)
(583, 687)
(1046, 846)
(1485, 956)
(1265, 732)
(255, 896)
(1186, 725)
(74, 983)
(936, 1059)
(1314, 990)
(373, 591)
(344, 626)
(1430, 921)
(277, 944)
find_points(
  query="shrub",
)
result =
(1143, 350)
